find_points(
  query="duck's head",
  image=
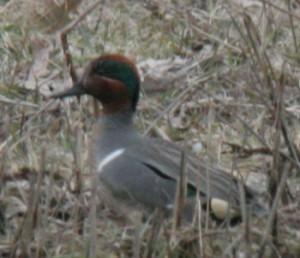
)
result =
(113, 79)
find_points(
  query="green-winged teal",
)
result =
(142, 172)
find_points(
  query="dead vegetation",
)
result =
(222, 75)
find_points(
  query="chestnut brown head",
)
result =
(113, 79)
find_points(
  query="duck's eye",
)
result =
(99, 69)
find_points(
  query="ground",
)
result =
(222, 76)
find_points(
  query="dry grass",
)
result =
(226, 76)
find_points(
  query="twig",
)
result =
(37, 214)
(78, 178)
(180, 195)
(181, 190)
(92, 241)
(280, 189)
(292, 27)
(220, 41)
(64, 40)
(8, 101)
(199, 221)
(245, 217)
(294, 153)
(275, 175)
(245, 152)
(156, 226)
(281, 9)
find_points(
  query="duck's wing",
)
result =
(164, 159)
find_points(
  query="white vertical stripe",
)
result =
(110, 157)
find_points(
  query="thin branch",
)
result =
(269, 223)
(220, 41)
(281, 9)
(64, 40)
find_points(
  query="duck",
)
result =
(141, 173)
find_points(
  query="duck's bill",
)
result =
(76, 90)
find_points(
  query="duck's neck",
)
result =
(117, 121)
(118, 105)
(114, 131)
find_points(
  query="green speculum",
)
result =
(191, 191)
